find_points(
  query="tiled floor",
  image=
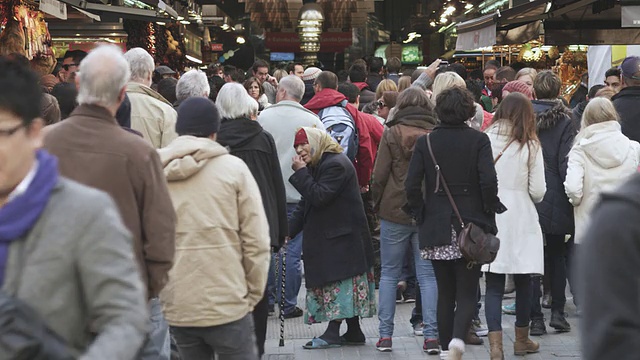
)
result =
(407, 346)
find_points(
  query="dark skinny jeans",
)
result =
(556, 252)
(457, 298)
(493, 300)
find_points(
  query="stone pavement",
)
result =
(406, 345)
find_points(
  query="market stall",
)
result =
(25, 32)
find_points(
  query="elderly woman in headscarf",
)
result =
(338, 256)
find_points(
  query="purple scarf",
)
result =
(20, 215)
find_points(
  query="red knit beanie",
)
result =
(518, 86)
(301, 138)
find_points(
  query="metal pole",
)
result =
(282, 292)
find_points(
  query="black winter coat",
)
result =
(247, 140)
(556, 133)
(627, 103)
(607, 265)
(336, 241)
(466, 162)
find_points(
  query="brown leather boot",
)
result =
(495, 341)
(523, 344)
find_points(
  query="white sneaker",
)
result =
(417, 329)
(479, 328)
(444, 354)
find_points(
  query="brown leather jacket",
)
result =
(392, 163)
(94, 150)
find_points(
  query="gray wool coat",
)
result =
(76, 268)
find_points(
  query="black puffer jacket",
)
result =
(556, 133)
(247, 140)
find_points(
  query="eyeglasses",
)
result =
(10, 132)
(67, 66)
(381, 105)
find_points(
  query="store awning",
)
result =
(513, 26)
(590, 22)
(123, 12)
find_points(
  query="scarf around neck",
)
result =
(320, 143)
(20, 215)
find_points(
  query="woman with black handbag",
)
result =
(465, 160)
(518, 160)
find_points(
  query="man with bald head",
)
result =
(627, 100)
(94, 150)
(282, 121)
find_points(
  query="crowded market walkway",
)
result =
(406, 346)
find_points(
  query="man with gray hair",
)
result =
(193, 83)
(151, 114)
(94, 150)
(282, 121)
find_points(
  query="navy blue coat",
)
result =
(556, 133)
(336, 240)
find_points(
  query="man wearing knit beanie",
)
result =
(222, 232)
(626, 101)
(309, 77)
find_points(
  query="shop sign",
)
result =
(290, 41)
(630, 16)
(216, 47)
(55, 8)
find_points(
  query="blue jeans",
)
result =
(293, 273)
(158, 344)
(393, 246)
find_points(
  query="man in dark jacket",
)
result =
(608, 275)
(246, 139)
(358, 77)
(556, 133)
(576, 112)
(627, 100)
(375, 69)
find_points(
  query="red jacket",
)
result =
(367, 147)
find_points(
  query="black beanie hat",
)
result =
(197, 116)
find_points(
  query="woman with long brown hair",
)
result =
(517, 155)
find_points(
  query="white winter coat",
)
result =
(521, 184)
(600, 160)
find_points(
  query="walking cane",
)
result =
(283, 256)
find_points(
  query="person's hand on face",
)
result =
(272, 80)
(303, 156)
(298, 163)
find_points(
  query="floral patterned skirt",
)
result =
(344, 299)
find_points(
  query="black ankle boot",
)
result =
(559, 322)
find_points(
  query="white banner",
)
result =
(55, 8)
(476, 39)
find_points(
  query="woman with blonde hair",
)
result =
(517, 155)
(450, 79)
(600, 159)
(404, 83)
(528, 76)
(385, 85)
